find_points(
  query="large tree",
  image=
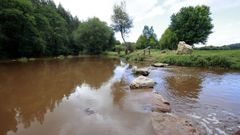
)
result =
(121, 20)
(94, 36)
(192, 24)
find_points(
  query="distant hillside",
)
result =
(225, 47)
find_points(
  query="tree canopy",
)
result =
(192, 24)
(94, 36)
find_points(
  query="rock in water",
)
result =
(142, 82)
(159, 104)
(159, 65)
(141, 71)
(184, 48)
(170, 124)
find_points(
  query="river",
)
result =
(91, 95)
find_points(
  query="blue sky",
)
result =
(156, 13)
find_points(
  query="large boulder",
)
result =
(184, 48)
(159, 65)
(142, 82)
(159, 104)
(170, 124)
(141, 71)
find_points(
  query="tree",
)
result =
(148, 38)
(141, 42)
(168, 40)
(121, 20)
(192, 24)
(94, 36)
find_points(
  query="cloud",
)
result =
(85, 9)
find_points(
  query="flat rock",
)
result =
(170, 124)
(142, 82)
(159, 104)
(159, 65)
(141, 71)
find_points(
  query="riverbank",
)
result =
(199, 58)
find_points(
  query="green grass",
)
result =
(199, 58)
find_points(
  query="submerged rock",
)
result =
(89, 111)
(159, 65)
(170, 124)
(141, 71)
(159, 104)
(184, 48)
(142, 82)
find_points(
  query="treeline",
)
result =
(36, 28)
(235, 46)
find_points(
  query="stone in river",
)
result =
(159, 104)
(170, 124)
(142, 82)
(159, 65)
(141, 71)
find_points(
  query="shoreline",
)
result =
(227, 59)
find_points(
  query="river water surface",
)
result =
(90, 95)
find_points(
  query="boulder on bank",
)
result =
(159, 65)
(184, 48)
(159, 104)
(142, 82)
(170, 124)
(141, 71)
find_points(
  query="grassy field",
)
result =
(199, 58)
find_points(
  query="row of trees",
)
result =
(35, 28)
(190, 24)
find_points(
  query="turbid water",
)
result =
(90, 95)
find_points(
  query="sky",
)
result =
(157, 13)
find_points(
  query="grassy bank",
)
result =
(199, 58)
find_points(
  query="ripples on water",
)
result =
(91, 96)
(210, 97)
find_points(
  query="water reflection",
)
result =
(30, 90)
(55, 97)
(183, 84)
(209, 96)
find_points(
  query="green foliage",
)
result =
(168, 40)
(198, 61)
(192, 24)
(34, 28)
(121, 20)
(148, 38)
(94, 36)
(141, 42)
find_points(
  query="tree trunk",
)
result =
(126, 47)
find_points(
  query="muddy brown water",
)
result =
(90, 95)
